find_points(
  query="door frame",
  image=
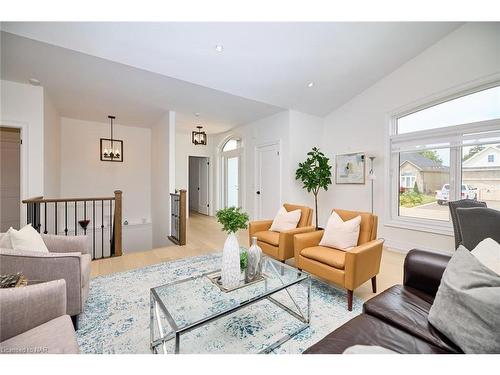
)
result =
(210, 172)
(24, 173)
(221, 170)
(257, 213)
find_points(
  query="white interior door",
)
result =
(268, 181)
(232, 181)
(203, 205)
(10, 178)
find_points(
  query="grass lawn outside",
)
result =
(425, 200)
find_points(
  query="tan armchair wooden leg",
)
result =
(349, 300)
(374, 284)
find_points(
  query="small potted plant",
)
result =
(232, 219)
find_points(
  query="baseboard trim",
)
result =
(405, 247)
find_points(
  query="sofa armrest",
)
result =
(423, 270)
(258, 226)
(27, 307)
(303, 240)
(286, 241)
(362, 263)
(67, 244)
(47, 267)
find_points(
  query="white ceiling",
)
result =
(90, 88)
(268, 63)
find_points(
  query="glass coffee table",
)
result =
(186, 305)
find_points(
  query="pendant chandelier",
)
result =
(199, 136)
(111, 149)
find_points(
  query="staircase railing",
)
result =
(99, 217)
(178, 217)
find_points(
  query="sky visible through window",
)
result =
(480, 106)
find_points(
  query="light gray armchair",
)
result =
(68, 259)
(33, 320)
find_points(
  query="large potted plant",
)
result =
(232, 219)
(315, 174)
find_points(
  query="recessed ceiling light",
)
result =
(197, 114)
(310, 84)
(219, 48)
(34, 82)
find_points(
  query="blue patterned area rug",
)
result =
(116, 316)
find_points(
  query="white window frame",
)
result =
(452, 134)
(412, 178)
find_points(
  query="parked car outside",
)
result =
(443, 195)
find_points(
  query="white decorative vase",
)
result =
(231, 262)
(254, 264)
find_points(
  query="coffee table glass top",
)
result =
(190, 301)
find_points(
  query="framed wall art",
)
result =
(350, 168)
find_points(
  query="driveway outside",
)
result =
(435, 211)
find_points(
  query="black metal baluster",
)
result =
(28, 216)
(93, 231)
(85, 216)
(55, 211)
(75, 219)
(102, 229)
(37, 217)
(45, 218)
(65, 218)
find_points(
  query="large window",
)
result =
(445, 152)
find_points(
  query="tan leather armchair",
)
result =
(280, 245)
(349, 269)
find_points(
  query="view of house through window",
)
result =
(481, 174)
(425, 184)
(447, 152)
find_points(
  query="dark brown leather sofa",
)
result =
(397, 318)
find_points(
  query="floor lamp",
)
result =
(371, 177)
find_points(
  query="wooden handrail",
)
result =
(117, 227)
(38, 205)
(52, 200)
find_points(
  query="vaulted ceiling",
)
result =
(139, 70)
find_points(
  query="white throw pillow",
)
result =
(27, 239)
(285, 220)
(488, 253)
(340, 234)
(5, 242)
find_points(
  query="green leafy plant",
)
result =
(232, 219)
(410, 199)
(315, 174)
(243, 260)
(415, 188)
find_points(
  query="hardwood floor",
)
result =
(204, 236)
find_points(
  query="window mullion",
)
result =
(455, 173)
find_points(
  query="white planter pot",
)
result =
(231, 262)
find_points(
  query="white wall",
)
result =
(83, 174)
(269, 129)
(470, 53)
(161, 179)
(22, 105)
(297, 133)
(305, 133)
(52, 148)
